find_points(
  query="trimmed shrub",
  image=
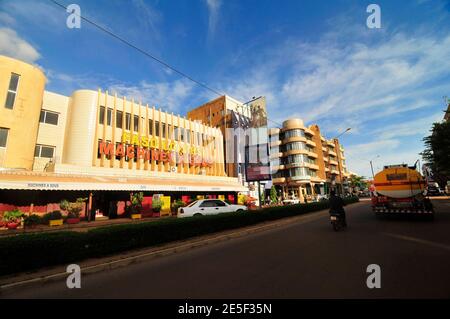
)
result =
(32, 251)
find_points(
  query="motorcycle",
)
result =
(337, 221)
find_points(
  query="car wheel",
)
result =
(197, 215)
(240, 211)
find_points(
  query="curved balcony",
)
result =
(309, 131)
(332, 153)
(294, 139)
(311, 143)
(334, 172)
(292, 152)
(298, 164)
(279, 180)
(313, 155)
(330, 143)
(325, 159)
(313, 167)
(333, 162)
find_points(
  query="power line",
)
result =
(149, 55)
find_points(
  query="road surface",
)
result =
(306, 259)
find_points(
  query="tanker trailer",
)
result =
(400, 189)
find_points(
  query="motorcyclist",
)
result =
(337, 207)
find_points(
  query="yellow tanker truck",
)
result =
(400, 189)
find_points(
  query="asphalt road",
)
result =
(306, 259)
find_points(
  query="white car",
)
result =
(208, 207)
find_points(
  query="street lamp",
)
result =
(371, 166)
(339, 164)
(348, 129)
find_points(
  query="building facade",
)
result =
(304, 163)
(93, 140)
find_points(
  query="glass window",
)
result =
(12, 91)
(48, 117)
(220, 203)
(156, 128)
(44, 151)
(169, 128)
(101, 118)
(119, 119)
(136, 123)
(150, 127)
(175, 133)
(208, 203)
(294, 133)
(109, 117)
(3, 136)
(182, 134)
(127, 121)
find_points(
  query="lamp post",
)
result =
(339, 163)
(371, 166)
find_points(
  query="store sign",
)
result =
(149, 149)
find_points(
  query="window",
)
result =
(119, 119)
(208, 203)
(150, 127)
(181, 134)
(163, 127)
(175, 133)
(49, 117)
(109, 117)
(156, 128)
(44, 151)
(136, 123)
(294, 133)
(3, 136)
(219, 203)
(12, 91)
(101, 118)
(128, 121)
(169, 128)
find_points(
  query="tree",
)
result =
(437, 152)
(273, 195)
(358, 181)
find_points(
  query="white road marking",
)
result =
(420, 241)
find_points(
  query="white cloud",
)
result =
(12, 45)
(213, 11)
(169, 96)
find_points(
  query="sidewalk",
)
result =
(91, 266)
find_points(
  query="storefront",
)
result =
(98, 143)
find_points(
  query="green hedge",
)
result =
(26, 252)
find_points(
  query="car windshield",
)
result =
(192, 204)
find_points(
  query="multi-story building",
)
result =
(304, 163)
(244, 126)
(93, 140)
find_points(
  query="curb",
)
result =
(171, 248)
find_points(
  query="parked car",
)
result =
(291, 201)
(433, 190)
(208, 207)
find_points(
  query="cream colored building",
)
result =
(97, 135)
(304, 164)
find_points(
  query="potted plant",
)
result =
(135, 208)
(54, 218)
(32, 221)
(177, 204)
(156, 206)
(73, 210)
(12, 218)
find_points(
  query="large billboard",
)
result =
(257, 162)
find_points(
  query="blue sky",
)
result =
(316, 60)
